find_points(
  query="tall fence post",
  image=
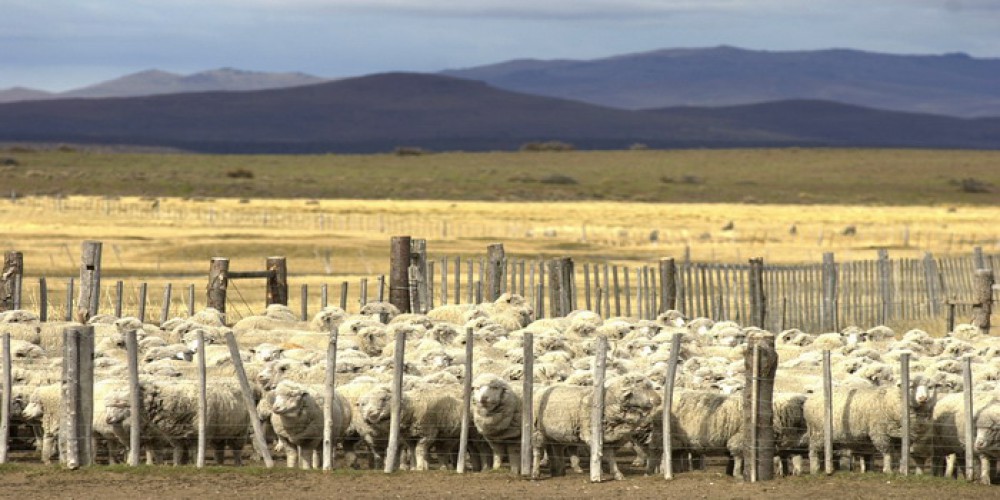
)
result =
(399, 273)
(329, 399)
(597, 410)
(165, 310)
(827, 414)
(829, 293)
(90, 281)
(761, 362)
(76, 427)
(527, 414)
(202, 400)
(259, 442)
(758, 299)
(218, 283)
(119, 297)
(43, 300)
(969, 421)
(277, 281)
(392, 450)
(560, 286)
(983, 302)
(496, 270)
(668, 405)
(885, 286)
(135, 398)
(463, 439)
(932, 284)
(10, 280)
(141, 314)
(668, 284)
(5, 405)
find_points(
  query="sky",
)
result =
(58, 45)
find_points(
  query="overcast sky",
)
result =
(62, 44)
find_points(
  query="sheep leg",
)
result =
(49, 448)
(291, 453)
(557, 460)
(887, 463)
(737, 465)
(609, 457)
(574, 460)
(220, 452)
(949, 468)
(514, 456)
(813, 459)
(641, 457)
(984, 469)
(536, 461)
(796, 465)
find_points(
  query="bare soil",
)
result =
(112, 483)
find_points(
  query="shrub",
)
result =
(547, 146)
(972, 185)
(9, 162)
(240, 173)
(409, 151)
(558, 179)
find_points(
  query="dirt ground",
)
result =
(113, 483)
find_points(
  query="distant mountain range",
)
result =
(951, 84)
(378, 113)
(155, 82)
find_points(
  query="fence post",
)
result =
(827, 414)
(983, 306)
(135, 397)
(668, 284)
(399, 273)
(978, 259)
(277, 281)
(496, 270)
(885, 286)
(43, 300)
(463, 440)
(343, 296)
(904, 381)
(527, 413)
(560, 286)
(259, 442)
(190, 300)
(597, 410)
(90, 281)
(119, 297)
(77, 419)
(10, 280)
(202, 400)
(304, 302)
(69, 300)
(142, 302)
(218, 282)
(5, 405)
(758, 299)
(761, 361)
(970, 420)
(418, 261)
(165, 311)
(392, 450)
(829, 293)
(329, 399)
(668, 405)
(931, 281)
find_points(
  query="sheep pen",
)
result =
(280, 349)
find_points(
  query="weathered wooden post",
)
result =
(758, 299)
(399, 275)
(761, 362)
(668, 284)
(119, 297)
(827, 414)
(597, 410)
(135, 397)
(527, 398)
(165, 310)
(324, 296)
(10, 280)
(90, 281)
(259, 442)
(218, 283)
(560, 286)
(932, 282)
(668, 405)
(43, 300)
(463, 440)
(190, 300)
(277, 281)
(202, 400)
(983, 306)
(304, 302)
(496, 271)
(904, 381)
(969, 420)
(329, 399)
(69, 300)
(5, 405)
(141, 314)
(76, 421)
(885, 286)
(418, 262)
(392, 450)
(343, 295)
(829, 310)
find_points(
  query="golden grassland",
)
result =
(171, 240)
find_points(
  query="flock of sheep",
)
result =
(285, 359)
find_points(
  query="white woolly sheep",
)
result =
(297, 419)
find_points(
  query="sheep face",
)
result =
(117, 408)
(489, 395)
(34, 411)
(376, 406)
(289, 399)
(987, 436)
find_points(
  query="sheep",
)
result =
(44, 411)
(297, 418)
(948, 432)
(709, 423)
(497, 417)
(380, 309)
(865, 419)
(562, 418)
